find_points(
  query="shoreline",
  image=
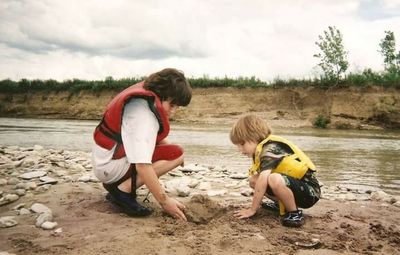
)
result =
(86, 223)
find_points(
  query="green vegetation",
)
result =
(366, 78)
(333, 62)
(391, 59)
(333, 57)
(321, 121)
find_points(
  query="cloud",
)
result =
(98, 38)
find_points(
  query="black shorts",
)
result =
(304, 194)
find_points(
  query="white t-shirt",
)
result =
(139, 133)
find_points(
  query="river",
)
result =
(366, 160)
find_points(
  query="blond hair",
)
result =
(249, 128)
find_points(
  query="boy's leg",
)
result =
(282, 191)
(279, 186)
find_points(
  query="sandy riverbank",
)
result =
(345, 221)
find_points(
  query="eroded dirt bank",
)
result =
(363, 108)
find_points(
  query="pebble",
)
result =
(32, 175)
(39, 208)
(7, 221)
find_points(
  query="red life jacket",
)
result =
(108, 133)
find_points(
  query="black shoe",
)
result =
(293, 219)
(127, 203)
(271, 205)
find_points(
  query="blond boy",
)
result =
(280, 170)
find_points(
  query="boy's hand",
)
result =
(245, 213)
(174, 208)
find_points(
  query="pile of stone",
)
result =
(26, 172)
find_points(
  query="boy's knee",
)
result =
(275, 180)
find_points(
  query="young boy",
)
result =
(131, 147)
(280, 170)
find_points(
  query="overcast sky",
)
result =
(93, 39)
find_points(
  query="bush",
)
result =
(321, 121)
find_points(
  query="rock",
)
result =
(38, 148)
(40, 208)
(47, 180)
(380, 196)
(85, 178)
(20, 192)
(3, 182)
(43, 217)
(13, 181)
(183, 191)
(7, 221)
(32, 175)
(238, 176)
(19, 206)
(213, 193)
(204, 186)
(247, 192)
(49, 225)
(24, 211)
(192, 168)
(11, 197)
(193, 183)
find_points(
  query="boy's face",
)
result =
(247, 148)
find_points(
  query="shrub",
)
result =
(321, 121)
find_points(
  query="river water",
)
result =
(366, 160)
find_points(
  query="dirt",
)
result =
(91, 225)
(369, 107)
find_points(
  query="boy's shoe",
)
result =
(293, 219)
(270, 205)
(127, 203)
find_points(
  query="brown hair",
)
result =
(170, 84)
(249, 128)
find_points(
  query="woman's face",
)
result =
(169, 108)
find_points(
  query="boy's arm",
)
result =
(171, 206)
(260, 189)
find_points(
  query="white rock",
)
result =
(3, 182)
(11, 197)
(85, 178)
(24, 211)
(13, 181)
(48, 180)
(49, 225)
(33, 174)
(7, 221)
(40, 208)
(213, 193)
(192, 168)
(183, 191)
(43, 217)
(38, 148)
(238, 176)
(204, 186)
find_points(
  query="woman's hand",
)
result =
(174, 208)
(244, 213)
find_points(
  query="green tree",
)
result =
(391, 60)
(333, 57)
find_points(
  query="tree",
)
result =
(333, 57)
(391, 60)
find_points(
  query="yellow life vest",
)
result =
(295, 165)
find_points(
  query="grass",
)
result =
(365, 78)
